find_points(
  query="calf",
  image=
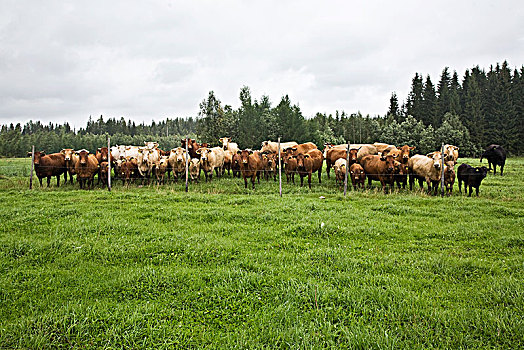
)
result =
(101, 156)
(381, 168)
(358, 176)
(128, 170)
(235, 164)
(270, 165)
(340, 170)
(86, 168)
(103, 174)
(161, 168)
(228, 160)
(333, 154)
(70, 162)
(449, 177)
(472, 177)
(250, 165)
(194, 169)
(309, 163)
(49, 165)
(290, 168)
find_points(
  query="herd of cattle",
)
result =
(381, 162)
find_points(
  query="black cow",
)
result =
(472, 177)
(495, 155)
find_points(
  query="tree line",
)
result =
(483, 108)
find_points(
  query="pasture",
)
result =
(223, 267)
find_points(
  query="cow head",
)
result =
(178, 153)
(391, 163)
(301, 160)
(38, 156)
(68, 153)
(204, 153)
(103, 152)
(151, 144)
(83, 156)
(436, 157)
(244, 156)
(357, 172)
(404, 153)
(225, 142)
(353, 155)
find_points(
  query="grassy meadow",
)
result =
(226, 267)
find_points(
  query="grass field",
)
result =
(226, 267)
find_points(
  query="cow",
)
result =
(496, 155)
(192, 147)
(86, 168)
(270, 146)
(381, 169)
(128, 170)
(302, 148)
(177, 161)
(103, 172)
(328, 146)
(290, 168)
(161, 168)
(117, 152)
(211, 160)
(227, 145)
(228, 160)
(194, 169)
(449, 177)
(269, 165)
(250, 165)
(381, 146)
(49, 165)
(132, 151)
(472, 177)
(101, 156)
(309, 163)
(151, 144)
(425, 168)
(340, 170)
(235, 165)
(358, 176)
(366, 150)
(146, 161)
(333, 154)
(70, 161)
(451, 153)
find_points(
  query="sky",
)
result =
(66, 60)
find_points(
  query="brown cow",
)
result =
(228, 160)
(302, 148)
(128, 170)
(366, 150)
(380, 169)
(309, 163)
(103, 174)
(449, 177)
(250, 165)
(161, 168)
(358, 176)
(101, 156)
(235, 165)
(49, 165)
(333, 154)
(86, 168)
(192, 148)
(194, 169)
(290, 168)
(70, 161)
(270, 166)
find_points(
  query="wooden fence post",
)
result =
(187, 166)
(32, 167)
(442, 170)
(108, 164)
(347, 170)
(279, 169)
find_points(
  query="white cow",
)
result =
(227, 145)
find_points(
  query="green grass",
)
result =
(224, 267)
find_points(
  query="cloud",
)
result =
(65, 61)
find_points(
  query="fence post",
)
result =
(187, 166)
(442, 170)
(108, 164)
(347, 170)
(279, 169)
(32, 166)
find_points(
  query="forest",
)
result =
(481, 108)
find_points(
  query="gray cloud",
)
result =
(68, 60)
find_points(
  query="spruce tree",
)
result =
(428, 114)
(414, 100)
(443, 96)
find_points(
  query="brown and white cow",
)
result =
(211, 159)
(161, 168)
(86, 168)
(250, 166)
(451, 153)
(128, 170)
(340, 170)
(49, 165)
(309, 163)
(335, 153)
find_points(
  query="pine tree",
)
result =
(414, 100)
(455, 94)
(429, 100)
(444, 98)
(393, 106)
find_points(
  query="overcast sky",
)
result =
(65, 60)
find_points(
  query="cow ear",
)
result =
(456, 148)
(294, 149)
(239, 152)
(430, 155)
(198, 151)
(99, 149)
(412, 148)
(29, 154)
(62, 151)
(250, 152)
(306, 156)
(229, 139)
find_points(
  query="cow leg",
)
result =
(494, 168)
(309, 179)
(501, 169)
(58, 181)
(320, 175)
(328, 167)
(477, 190)
(470, 190)
(253, 180)
(48, 181)
(411, 180)
(369, 182)
(245, 181)
(301, 180)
